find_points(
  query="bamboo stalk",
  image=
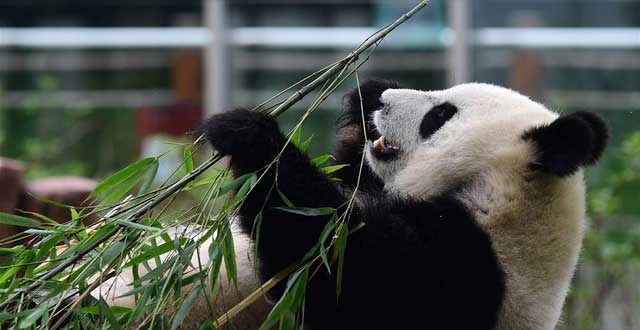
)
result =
(378, 36)
(330, 72)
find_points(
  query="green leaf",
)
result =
(320, 160)
(208, 326)
(243, 191)
(188, 159)
(47, 244)
(32, 317)
(135, 225)
(121, 175)
(141, 304)
(210, 179)
(339, 249)
(49, 201)
(255, 232)
(106, 312)
(293, 294)
(119, 191)
(95, 310)
(140, 289)
(149, 177)
(216, 256)
(323, 250)
(155, 273)
(74, 213)
(7, 252)
(150, 254)
(304, 146)
(41, 217)
(333, 168)
(235, 183)
(8, 316)
(229, 255)
(185, 307)
(310, 212)
(284, 199)
(16, 220)
(295, 136)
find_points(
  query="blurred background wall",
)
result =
(86, 86)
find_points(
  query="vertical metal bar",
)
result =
(458, 57)
(216, 57)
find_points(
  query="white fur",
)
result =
(535, 220)
(228, 294)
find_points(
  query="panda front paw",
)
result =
(244, 135)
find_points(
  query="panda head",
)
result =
(425, 143)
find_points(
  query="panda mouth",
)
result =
(383, 149)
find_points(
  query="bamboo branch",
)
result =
(329, 73)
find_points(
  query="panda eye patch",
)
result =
(436, 118)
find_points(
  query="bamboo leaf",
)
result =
(284, 199)
(185, 307)
(47, 244)
(119, 191)
(16, 220)
(333, 168)
(255, 232)
(49, 201)
(95, 310)
(121, 175)
(323, 250)
(141, 304)
(155, 273)
(7, 252)
(32, 317)
(317, 161)
(108, 314)
(8, 316)
(229, 255)
(188, 159)
(150, 254)
(208, 326)
(235, 183)
(136, 225)
(216, 257)
(74, 213)
(295, 287)
(339, 249)
(149, 177)
(295, 136)
(243, 191)
(210, 179)
(304, 146)
(41, 217)
(309, 212)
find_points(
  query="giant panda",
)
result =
(469, 212)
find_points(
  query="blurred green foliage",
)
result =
(89, 141)
(610, 260)
(55, 140)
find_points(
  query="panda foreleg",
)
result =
(253, 140)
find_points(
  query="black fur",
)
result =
(571, 141)
(371, 91)
(350, 140)
(436, 118)
(414, 264)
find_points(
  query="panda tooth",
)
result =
(379, 143)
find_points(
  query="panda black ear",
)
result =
(371, 91)
(571, 141)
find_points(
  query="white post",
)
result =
(458, 52)
(216, 57)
